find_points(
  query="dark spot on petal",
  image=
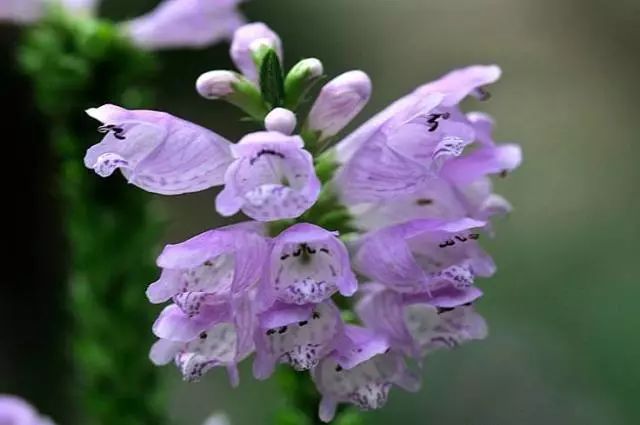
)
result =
(423, 202)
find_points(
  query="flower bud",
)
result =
(233, 88)
(216, 84)
(280, 120)
(248, 40)
(339, 101)
(299, 79)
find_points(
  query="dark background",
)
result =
(564, 344)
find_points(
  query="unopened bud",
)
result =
(217, 84)
(339, 101)
(280, 120)
(233, 88)
(299, 79)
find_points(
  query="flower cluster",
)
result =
(173, 23)
(399, 205)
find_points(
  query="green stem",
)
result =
(110, 226)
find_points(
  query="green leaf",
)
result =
(272, 79)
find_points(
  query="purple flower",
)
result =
(157, 151)
(361, 371)
(174, 23)
(210, 268)
(417, 324)
(15, 411)
(185, 23)
(410, 141)
(297, 335)
(424, 255)
(339, 101)
(462, 189)
(308, 264)
(247, 40)
(220, 336)
(271, 178)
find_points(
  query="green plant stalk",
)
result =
(111, 227)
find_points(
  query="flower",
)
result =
(271, 178)
(360, 371)
(425, 255)
(308, 264)
(418, 324)
(158, 152)
(411, 140)
(297, 335)
(15, 411)
(462, 189)
(173, 23)
(210, 268)
(220, 336)
(185, 23)
(339, 101)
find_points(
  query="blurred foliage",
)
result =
(76, 64)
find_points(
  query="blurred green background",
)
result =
(564, 346)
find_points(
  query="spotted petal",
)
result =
(219, 337)
(158, 152)
(364, 378)
(300, 342)
(427, 254)
(308, 265)
(210, 268)
(271, 178)
(433, 329)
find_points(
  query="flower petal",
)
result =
(272, 178)
(458, 84)
(185, 23)
(309, 264)
(158, 152)
(482, 162)
(433, 330)
(243, 41)
(376, 172)
(21, 11)
(299, 343)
